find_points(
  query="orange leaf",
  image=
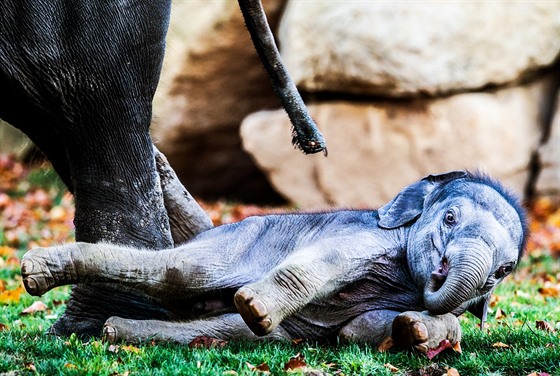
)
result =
(130, 349)
(263, 367)
(391, 367)
(452, 372)
(7, 251)
(550, 291)
(37, 306)
(11, 296)
(386, 344)
(295, 362)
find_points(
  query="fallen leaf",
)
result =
(499, 314)
(263, 367)
(544, 325)
(538, 374)
(70, 366)
(391, 367)
(443, 345)
(11, 296)
(295, 362)
(130, 349)
(207, 342)
(452, 372)
(3, 327)
(37, 306)
(551, 291)
(31, 367)
(230, 372)
(113, 348)
(500, 345)
(386, 344)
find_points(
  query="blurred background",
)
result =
(399, 89)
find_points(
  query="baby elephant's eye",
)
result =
(450, 218)
(503, 271)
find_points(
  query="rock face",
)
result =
(400, 90)
(548, 182)
(413, 48)
(212, 78)
(376, 149)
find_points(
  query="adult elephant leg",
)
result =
(90, 69)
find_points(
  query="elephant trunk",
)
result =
(466, 271)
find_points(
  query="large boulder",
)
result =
(212, 78)
(377, 148)
(412, 48)
(548, 180)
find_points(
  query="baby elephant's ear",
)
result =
(409, 203)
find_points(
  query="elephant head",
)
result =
(466, 232)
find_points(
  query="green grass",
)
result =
(26, 349)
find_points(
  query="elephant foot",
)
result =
(115, 330)
(255, 311)
(90, 306)
(45, 268)
(429, 334)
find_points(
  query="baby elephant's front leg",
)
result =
(426, 332)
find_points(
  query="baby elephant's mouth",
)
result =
(440, 274)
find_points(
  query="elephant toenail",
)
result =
(259, 309)
(109, 333)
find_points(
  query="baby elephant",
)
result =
(438, 249)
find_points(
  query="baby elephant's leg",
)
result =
(45, 268)
(425, 331)
(225, 327)
(285, 290)
(371, 327)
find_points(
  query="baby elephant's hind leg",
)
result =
(284, 291)
(225, 327)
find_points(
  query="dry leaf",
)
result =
(386, 344)
(295, 362)
(391, 367)
(538, 374)
(499, 314)
(130, 349)
(3, 327)
(544, 325)
(500, 345)
(113, 348)
(550, 291)
(37, 306)
(263, 367)
(11, 296)
(207, 342)
(452, 372)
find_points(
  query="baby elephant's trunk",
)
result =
(468, 270)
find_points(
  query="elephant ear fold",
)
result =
(409, 203)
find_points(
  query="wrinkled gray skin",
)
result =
(435, 251)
